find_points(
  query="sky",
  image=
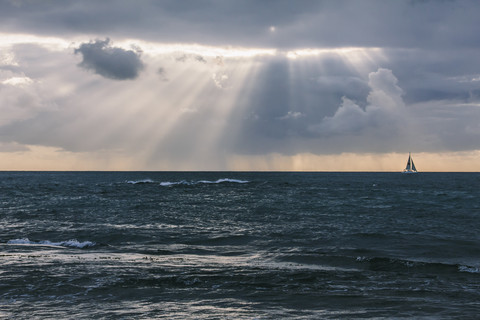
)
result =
(301, 85)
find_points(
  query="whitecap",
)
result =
(183, 182)
(225, 180)
(69, 243)
(19, 241)
(77, 244)
(139, 181)
(169, 184)
(469, 269)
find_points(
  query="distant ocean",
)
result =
(238, 245)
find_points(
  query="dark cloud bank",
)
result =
(110, 62)
(300, 23)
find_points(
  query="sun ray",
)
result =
(186, 107)
(215, 141)
(169, 117)
(360, 60)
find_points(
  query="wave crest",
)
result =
(169, 184)
(73, 243)
(224, 180)
(390, 264)
(469, 269)
(192, 183)
(187, 183)
(140, 181)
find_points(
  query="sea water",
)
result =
(238, 245)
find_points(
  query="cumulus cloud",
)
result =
(183, 57)
(162, 73)
(200, 59)
(305, 117)
(291, 115)
(18, 81)
(110, 62)
(220, 79)
(20, 98)
(385, 109)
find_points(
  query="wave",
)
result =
(169, 184)
(224, 180)
(391, 264)
(192, 183)
(140, 181)
(187, 183)
(469, 269)
(69, 243)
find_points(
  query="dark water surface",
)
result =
(230, 245)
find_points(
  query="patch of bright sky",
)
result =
(153, 48)
(207, 51)
(49, 158)
(7, 39)
(18, 81)
(308, 52)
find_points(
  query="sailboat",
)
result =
(410, 168)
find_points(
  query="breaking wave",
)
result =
(469, 269)
(390, 264)
(140, 181)
(224, 180)
(185, 182)
(169, 184)
(70, 243)
(191, 183)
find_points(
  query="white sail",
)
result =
(408, 163)
(410, 168)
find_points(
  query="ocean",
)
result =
(239, 245)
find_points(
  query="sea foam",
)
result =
(169, 184)
(468, 269)
(224, 180)
(140, 181)
(69, 243)
(185, 182)
(191, 183)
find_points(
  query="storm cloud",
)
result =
(302, 23)
(385, 111)
(110, 62)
